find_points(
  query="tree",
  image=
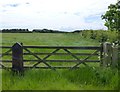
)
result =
(112, 17)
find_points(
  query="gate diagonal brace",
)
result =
(3, 67)
(40, 60)
(75, 57)
(44, 59)
(85, 59)
(5, 53)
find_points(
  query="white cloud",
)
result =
(53, 14)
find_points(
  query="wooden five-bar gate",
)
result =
(20, 55)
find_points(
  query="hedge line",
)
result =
(101, 35)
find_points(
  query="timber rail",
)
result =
(18, 52)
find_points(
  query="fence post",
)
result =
(107, 53)
(114, 62)
(101, 54)
(17, 58)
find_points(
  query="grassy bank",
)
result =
(81, 79)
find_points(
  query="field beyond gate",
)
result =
(48, 54)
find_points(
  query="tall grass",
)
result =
(81, 79)
(0, 79)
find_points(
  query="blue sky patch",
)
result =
(92, 18)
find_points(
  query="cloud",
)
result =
(27, 3)
(77, 13)
(53, 14)
(12, 5)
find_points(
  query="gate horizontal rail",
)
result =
(84, 54)
(60, 47)
(28, 51)
(9, 61)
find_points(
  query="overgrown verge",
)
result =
(80, 79)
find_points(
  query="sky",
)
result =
(63, 15)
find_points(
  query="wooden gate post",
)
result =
(101, 54)
(17, 58)
(107, 53)
(114, 62)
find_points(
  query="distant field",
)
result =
(84, 78)
(50, 39)
(56, 39)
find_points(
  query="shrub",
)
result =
(101, 35)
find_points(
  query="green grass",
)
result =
(0, 79)
(85, 78)
(81, 79)
(51, 39)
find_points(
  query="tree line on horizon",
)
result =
(27, 31)
(37, 31)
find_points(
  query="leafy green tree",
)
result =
(112, 17)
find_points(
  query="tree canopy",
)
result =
(112, 17)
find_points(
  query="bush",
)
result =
(101, 35)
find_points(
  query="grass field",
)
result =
(51, 39)
(96, 78)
